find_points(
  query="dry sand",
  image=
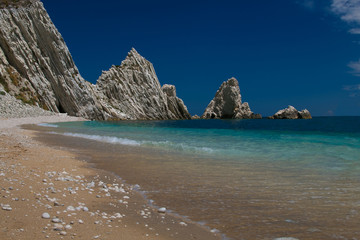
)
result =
(50, 193)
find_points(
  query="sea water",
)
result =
(248, 179)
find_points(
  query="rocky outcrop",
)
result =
(175, 104)
(291, 113)
(36, 65)
(37, 68)
(133, 91)
(227, 103)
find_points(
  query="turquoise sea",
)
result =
(248, 179)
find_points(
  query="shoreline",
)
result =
(83, 202)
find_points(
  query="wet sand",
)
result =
(51, 192)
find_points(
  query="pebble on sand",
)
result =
(56, 220)
(6, 207)
(58, 227)
(45, 215)
(162, 210)
(70, 208)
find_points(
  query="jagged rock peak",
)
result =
(227, 103)
(134, 60)
(133, 91)
(291, 113)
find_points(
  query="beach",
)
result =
(49, 192)
(302, 183)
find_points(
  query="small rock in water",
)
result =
(63, 233)
(81, 221)
(183, 224)
(162, 210)
(68, 227)
(45, 215)
(85, 209)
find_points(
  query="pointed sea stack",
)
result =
(227, 103)
(291, 113)
(133, 91)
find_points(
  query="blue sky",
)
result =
(303, 53)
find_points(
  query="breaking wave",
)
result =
(166, 145)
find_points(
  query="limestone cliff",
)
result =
(37, 68)
(291, 113)
(133, 91)
(36, 65)
(227, 103)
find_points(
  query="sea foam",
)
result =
(48, 125)
(107, 139)
(182, 147)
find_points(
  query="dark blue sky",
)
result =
(303, 53)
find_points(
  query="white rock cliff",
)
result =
(133, 91)
(36, 65)
(37, 68)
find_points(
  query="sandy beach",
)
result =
(48, 192)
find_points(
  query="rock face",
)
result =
(36, 65)
(227, 103)
(37, 68)
(291, 113)
(176, 105)
(133, 91)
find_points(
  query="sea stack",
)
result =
(291, 113)
(227, 103)
(133, 91)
